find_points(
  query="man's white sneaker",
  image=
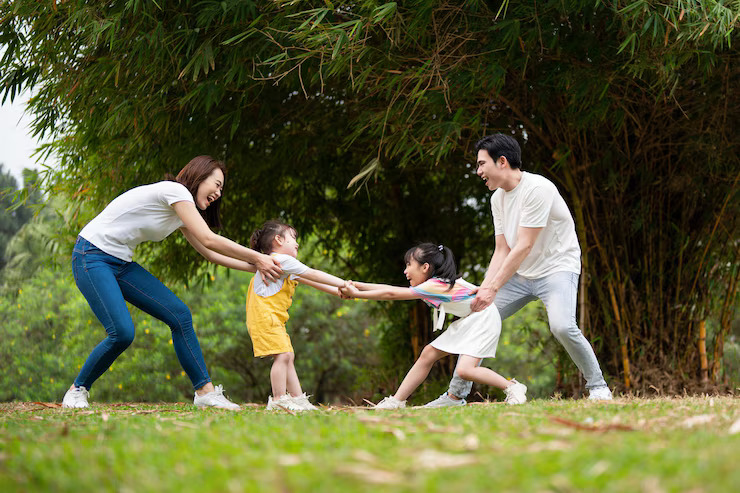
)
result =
(76, 397)
(516, 394)
(302, 400)
(390, 402)
(600, 394)
(285, 402)
(445, 400)
(215, 399)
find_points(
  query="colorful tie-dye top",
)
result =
(456, 301)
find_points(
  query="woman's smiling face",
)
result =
(210, 189)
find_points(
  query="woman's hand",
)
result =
(269, 267)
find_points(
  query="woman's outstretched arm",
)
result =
(217, 258)
(197, 227)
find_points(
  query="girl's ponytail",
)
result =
(441, 261)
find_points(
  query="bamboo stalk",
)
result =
(622, 341)
(703, 351)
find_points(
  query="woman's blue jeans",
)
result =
(107, 283)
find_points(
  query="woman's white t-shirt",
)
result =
(141, 214)
(536, 203)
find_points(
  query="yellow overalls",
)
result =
(266, 318)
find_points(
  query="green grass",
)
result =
(628, 445)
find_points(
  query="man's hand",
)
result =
(483, 299)
(269, 268)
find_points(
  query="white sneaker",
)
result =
(390, 402)
(285, 402)
(302, 400)
(215, 399)
(445, 400)
(76, 397)
(516, 394)
(600, 394)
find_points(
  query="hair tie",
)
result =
(440, 247)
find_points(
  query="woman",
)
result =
(107, 277)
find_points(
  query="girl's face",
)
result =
(286, 243)
(210, 189)
(415, 272)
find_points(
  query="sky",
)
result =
(16, 143)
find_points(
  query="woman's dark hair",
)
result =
(499, 145)
(192, 175)
(440, 259)
(261, 239)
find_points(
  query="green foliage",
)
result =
(14, 215)
(627, 105)
(544, 445)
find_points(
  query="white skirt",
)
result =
(475, 335)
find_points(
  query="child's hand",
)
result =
(348, 291)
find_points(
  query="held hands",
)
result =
(483, 299)
(269, 267)
(348, 291)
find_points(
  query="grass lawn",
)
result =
(627, 445)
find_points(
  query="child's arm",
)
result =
(366, 286)
(379, 292)
(320, 286)
(321, 277)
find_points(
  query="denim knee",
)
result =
(564, 331)
(122, 339)
(180, 317)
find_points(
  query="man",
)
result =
(537, 256)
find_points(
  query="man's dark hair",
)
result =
(498, 145)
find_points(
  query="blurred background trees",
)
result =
(628, 106)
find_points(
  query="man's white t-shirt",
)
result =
(536, 203)
(291, 267)
(141, 214)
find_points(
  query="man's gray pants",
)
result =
(559, 293)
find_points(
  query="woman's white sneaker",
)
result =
(516, 393)
(390, 402)
(76, 397)
(215, 399)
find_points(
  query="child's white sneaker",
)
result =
(516, 393)
(76, 397)
(445, 400)
(390, 402)
(215, 399)
(600, 394)
(302, 400)
(283, 403)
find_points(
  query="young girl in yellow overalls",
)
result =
(267, 311)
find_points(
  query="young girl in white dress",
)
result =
(433, 276)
